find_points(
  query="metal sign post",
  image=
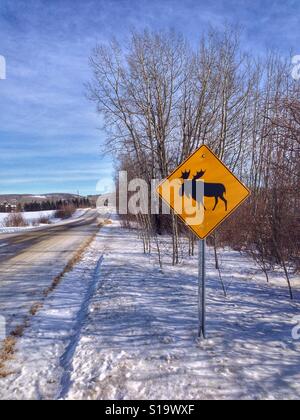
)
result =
(202, 290)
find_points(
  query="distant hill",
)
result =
(28, 198)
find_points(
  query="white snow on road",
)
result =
(38, 368)
(119, 328)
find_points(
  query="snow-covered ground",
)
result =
(32, 218)
(117, 327)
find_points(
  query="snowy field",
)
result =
(117, 327)
(32, 217)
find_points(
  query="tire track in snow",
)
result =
(66, 360)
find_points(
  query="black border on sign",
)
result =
(228, 214)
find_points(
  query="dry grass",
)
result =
(6, 354)
(19, 330)
(43, 220)
(15, 220)
(104, 222)
(8, 348)
(107, 222)
(35, 308)
(65, 212)
(69, 267)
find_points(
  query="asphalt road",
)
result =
(29, 261)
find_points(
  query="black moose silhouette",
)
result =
(189, 187)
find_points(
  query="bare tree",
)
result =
(160, 100)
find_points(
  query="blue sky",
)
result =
(50, 137)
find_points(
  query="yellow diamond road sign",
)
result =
(203, 192)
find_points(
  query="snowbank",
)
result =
(30, 216)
